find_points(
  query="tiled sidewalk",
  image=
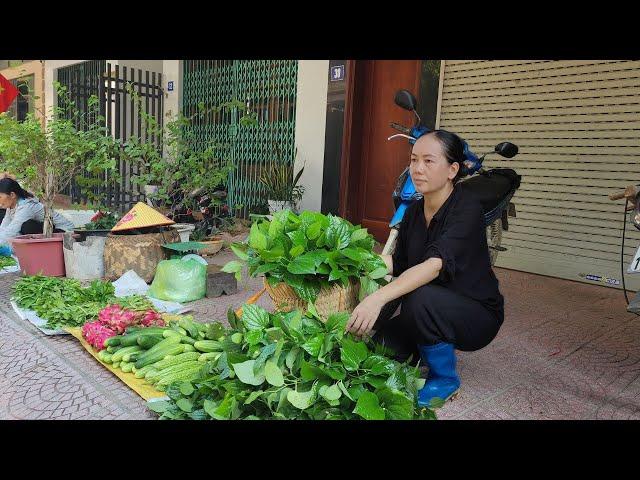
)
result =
(53, 377)
(566, 351)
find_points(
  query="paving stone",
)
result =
(71, 409)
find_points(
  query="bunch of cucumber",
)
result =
(162, 355)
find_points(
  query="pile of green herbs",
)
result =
(7, 262)
(290, 366)
(310, 251)
(65, 302)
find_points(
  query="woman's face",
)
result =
(429, 168)
(7, 200)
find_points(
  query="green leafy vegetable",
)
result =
(64, 302)
(297, 367)
(7, 262)
(309, 251)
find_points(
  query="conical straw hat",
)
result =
(140, 216)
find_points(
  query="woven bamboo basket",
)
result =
(211, 246)
(330, 300)
(140, 253)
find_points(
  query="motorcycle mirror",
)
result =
(405, 99)
(506, 149)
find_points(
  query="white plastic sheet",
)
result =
(33, 318)
(12, 269)
(130, 283)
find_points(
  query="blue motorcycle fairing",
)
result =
(408, 191)
(417, 132)
(397, 216)
(472, 163)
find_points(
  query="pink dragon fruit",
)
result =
(108, 312)
(152, 318)
(117, 318)
(96, 334)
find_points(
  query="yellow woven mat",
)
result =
(138, 385)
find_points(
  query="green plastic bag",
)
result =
(179, 281)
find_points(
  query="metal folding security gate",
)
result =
(577, 125)
(123, 120)
(267, 87)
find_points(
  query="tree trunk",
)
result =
(47, 227)
(49, 196)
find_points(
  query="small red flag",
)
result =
(8, 94)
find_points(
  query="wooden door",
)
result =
(374, 163)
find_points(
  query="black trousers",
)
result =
(432, 314)
(32, 227)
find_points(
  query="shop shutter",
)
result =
(577, 125)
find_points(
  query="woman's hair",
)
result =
(453, 148)
(9, 185)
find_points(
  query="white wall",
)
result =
(172, 72)
(150, 65)
(311, 111)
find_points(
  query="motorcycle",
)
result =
(632, 203)
(494, 187)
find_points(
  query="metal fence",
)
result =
(122, 116)
(124, 121)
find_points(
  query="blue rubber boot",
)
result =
(442, 381)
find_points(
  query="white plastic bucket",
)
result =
(184, 230)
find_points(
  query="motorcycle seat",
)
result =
(493, 188)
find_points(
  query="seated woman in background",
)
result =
(24, 214)
(5, 175)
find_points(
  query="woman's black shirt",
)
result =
(456, 234)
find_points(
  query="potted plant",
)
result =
(46, 159)
(281, 188)
(170, 175)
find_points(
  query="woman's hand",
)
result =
(365, 315)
